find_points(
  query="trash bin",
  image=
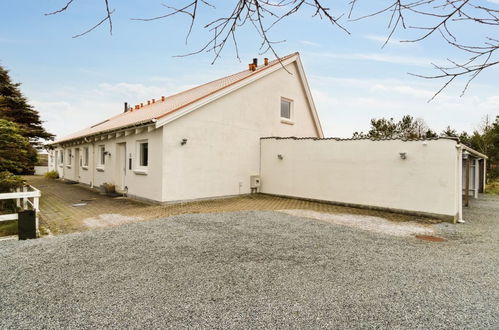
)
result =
(26, 224)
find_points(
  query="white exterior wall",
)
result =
(146, 185)
(364, 172)
(222, 150)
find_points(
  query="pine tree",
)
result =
(16, 153)
(15, 107)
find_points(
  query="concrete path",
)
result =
(68, 208)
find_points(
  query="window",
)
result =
(85, 156)
(286, 109)
(102, 155)
(56, 157)
(62, 157)
(143, 153)
(69, 156)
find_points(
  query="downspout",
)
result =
(93, 165)
(459, 184)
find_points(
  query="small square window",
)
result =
(143, 154)
(285, 109)
(69, 156)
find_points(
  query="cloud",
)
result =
(392, 41)
(385, 58)
(310, 43)
(346, 105)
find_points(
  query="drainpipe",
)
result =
(459, 184)
(93, 165)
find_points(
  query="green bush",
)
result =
(9, 183)
(52, 175)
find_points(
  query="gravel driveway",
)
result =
(255, 269)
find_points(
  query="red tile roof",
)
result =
(172, 103)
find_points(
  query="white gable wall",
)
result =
(223, 136)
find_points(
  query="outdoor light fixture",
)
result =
(280, 157)
(183, 142)
(466, 154)
(107, 153)
(403, 155)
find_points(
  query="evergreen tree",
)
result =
(14, 107)
(16, 153)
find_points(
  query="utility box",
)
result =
(26, 224)
(255, 181)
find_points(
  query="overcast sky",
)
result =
(75, 83)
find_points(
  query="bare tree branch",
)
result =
(426, 18)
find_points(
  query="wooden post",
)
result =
(25, 199)
(467, 183)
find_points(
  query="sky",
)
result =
(77, 82)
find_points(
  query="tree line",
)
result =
(484, 139)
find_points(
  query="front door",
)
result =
(120, 165)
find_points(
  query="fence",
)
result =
(27, 198)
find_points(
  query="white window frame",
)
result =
(141, 169)
(285, 120)
(101, 159)
(69, 157)
(85, 157)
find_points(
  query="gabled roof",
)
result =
(178, 104)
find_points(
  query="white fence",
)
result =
(26, 198)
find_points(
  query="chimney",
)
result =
(266, 61)
(137, 106)
(142, 105)
(163, 98)
(255, 62)
(126, 107)
(148, 102)
(153, 100)
(250, 67)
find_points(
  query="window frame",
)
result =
(101, 160)
(287, 120)
(69, 157)
(140, 168)
(86, 157)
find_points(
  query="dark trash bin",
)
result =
(26, 224)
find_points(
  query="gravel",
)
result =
(366, 222)
(253, 270)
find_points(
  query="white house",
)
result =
(209, 141)
(203, 142)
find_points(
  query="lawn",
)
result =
(8, 228)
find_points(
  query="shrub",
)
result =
(52, 175)
(109, 188)
(9, 183)
(492, 187)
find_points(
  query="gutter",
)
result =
(112, 130)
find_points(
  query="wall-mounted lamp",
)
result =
(466, 154)
(107, 153)
(279, 156)
(403, 155)
(183, 142)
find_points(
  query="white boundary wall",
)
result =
(366, 173)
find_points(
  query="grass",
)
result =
(492, 187)
(8, 228)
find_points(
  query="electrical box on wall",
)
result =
(254, 181)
